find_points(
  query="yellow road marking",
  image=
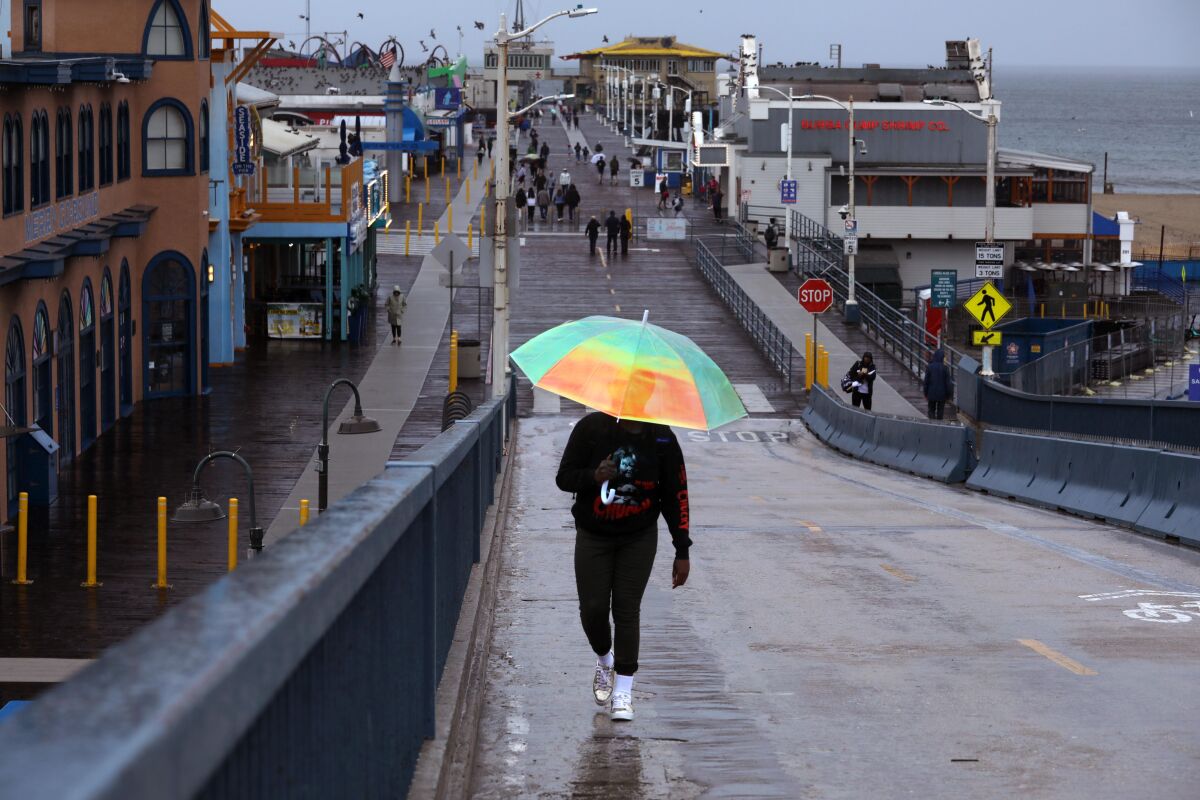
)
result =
(812, 528)
(757, 499)
(1065, 662)
(899, 573)
(612, 290)
(618, 308)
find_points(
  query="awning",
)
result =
(1103, 226)
(256, 97)
(47, 258)
(1026, 159)
(281, 141)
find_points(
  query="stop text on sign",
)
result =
(815, 296)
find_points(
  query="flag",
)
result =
(387, 59)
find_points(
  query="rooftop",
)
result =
(875, 83)
(635, 46)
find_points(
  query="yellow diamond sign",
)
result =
(988, 306)
(985, 338)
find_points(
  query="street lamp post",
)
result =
(356, 424)
(200, 509)
(499, 347)
(850, 311)
(787, 213)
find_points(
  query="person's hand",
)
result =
(679, 572)
(606, 471)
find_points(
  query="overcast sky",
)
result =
(1159, 33)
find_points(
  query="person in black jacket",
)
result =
(612, 227)
(593, 233)
(626, 234)
(624, 474)
(863, 373)
(572, 197)
(938, 386)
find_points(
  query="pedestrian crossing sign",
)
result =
(988, 306)
(985, 338)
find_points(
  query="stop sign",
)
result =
(815, 295)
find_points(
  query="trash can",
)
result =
(777, 259)
(468, 359)
(37, 466)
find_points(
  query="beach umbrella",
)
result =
(631, 370)
(597, 157)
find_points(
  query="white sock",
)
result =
(605, 660)
(624, 684)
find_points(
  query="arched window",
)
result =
(167, 33)
(108, 355)
(64, 352)
(36, 198)
(14, 400)
(106, 144)
(87, 150)
(14, 164)
(87, 366)
(168, 329)
(204, 136)
(124, 161)
(167, 147)
(204, 35)
(43, 399)
(44, 147)
(64, 177)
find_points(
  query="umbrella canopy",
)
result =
(631, 370)
(597, 157)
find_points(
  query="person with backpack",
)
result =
(862, 375)
(938, 386)
(771, 235)
(626, 234)
(616, 537)
(600, 169)
(612, 227)
(678, 204)
(592, 231)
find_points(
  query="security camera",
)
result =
(844, 212)
(862, 147)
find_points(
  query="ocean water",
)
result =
(1148, 120)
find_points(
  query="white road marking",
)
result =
(753, 398)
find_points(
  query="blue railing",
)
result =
(1152, 278)
(311, 671)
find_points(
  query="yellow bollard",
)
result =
(475, 171)
(427, 190)
(233, 525)
(487, 189)
(437, 239)
(470, 240)
(22, 539)
(1064, 311)
(453, 361)
(1042, 310)
(468, 191)
(482, 218)
(810, 370)
(91, 544)
(823, 367)
(162, 545)
(446, 188)
(420, 218)
(458, 167)
(407, 234)
(449, 219)
(443, 172)
(408, 188)
(425, 165)
(303, 513)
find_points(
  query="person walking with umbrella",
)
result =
(625, 468)
(612, 227)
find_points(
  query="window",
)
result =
(204, 136)
(106, 144)
(87, 150)
(672, 66)
(167, 147)
(701, 65)
(64, 177)
(14, 164)
(39, 160)
(166, 34)
(33, 25)
(204, 35)
(124, 162)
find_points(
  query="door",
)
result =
(87, 367)
(64, 398)
(108, 388)
(14, 403)
(43, 402)
(168, 319)
(125, 340)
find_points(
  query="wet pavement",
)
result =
(847, 632)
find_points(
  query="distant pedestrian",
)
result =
(395, 306)
(578, 152)
(612, 226)
(771, 235)
(479, 151)
(592, 231)
(530, 205)
(491, 141)
(717, 198)
(626, 234)
(544, 152)
(664, 197)
(616, 541)
(586, 154)
(564, 178)
(938, 386)
(572, 197)
(613, 167)
(560, 201)
(600, 168)
(519, 198)
(678, 204)
(862, 372)
(540, 181)
(543, 203)
(520, 178)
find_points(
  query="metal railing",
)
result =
(311, 671)
(819, 253)
(776, 347)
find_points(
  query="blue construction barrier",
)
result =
(1175, 508)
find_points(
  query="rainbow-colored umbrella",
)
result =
(631, 370)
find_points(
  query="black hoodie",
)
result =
(937, 378)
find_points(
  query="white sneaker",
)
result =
(622, 707)
(602, 684)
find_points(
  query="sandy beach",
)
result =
(1179, 212)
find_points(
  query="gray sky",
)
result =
(892, 32)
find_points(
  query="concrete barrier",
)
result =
(1108, 482)
(1174, 509)
(1004, 468)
